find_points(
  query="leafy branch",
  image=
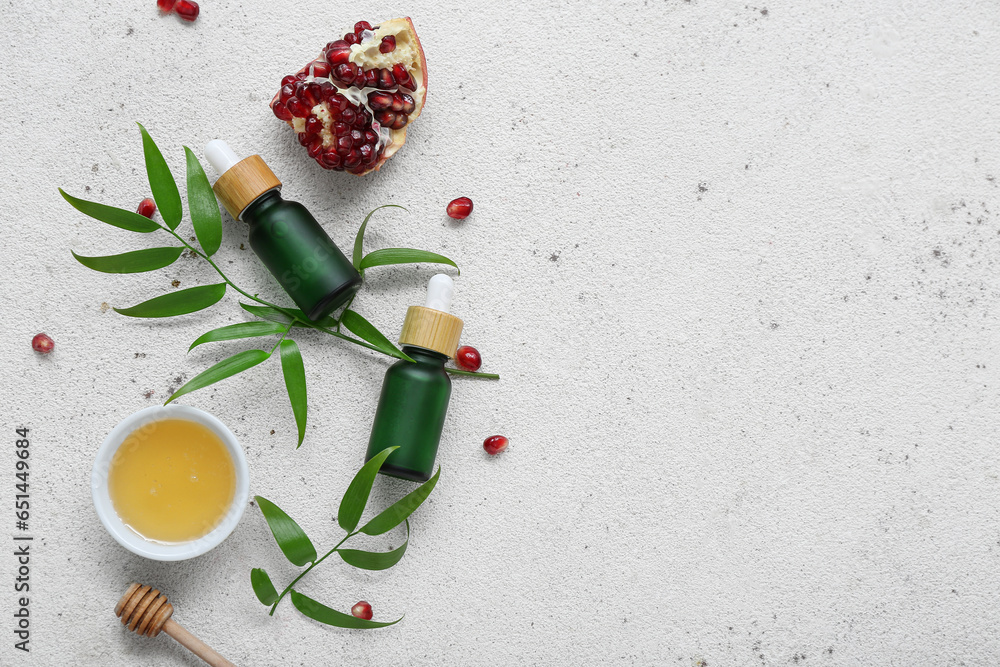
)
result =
(299, 549)
(271, 319)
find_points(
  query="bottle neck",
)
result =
(425, 356)
(262, 203)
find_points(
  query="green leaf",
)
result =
(203, 205)
(365, 330)
(356, 497)
(320, 612)
(275, 315)
(291, 539)
(116, 217)
(228, 367)
(360, 238)
(295, 383)
(402, 256)
(262, 587)
(238, 331)
(401, 509)
(178, 303)
(161, 182)
(137, 261)
(375, 560)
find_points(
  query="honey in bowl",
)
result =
(172, 480)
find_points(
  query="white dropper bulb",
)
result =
(439, 292)
(221, 156)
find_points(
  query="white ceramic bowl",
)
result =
(127, 537)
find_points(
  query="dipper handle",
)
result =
(145, 611)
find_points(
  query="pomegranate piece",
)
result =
(367, 86)
(42, 343)
(187, 9)
(362, 610)
(460, 208)
(147, 207)
(468, 359)
(495, 444)
(166, 6)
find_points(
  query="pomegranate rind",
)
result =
(368, 56)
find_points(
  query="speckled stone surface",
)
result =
(737, 264)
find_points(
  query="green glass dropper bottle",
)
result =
(283, 234)
(414, 399)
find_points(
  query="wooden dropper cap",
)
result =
(240, 182)
(431, 326)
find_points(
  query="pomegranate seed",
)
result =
(348, 116)
(146, 208)
(460, 208)
(303, 138)
(187, 9)
(361, 26)
(331, 160)
(288, 80)
(297, 108)
(286, 92)
(367, 152)
(319, 69)
(311, 95)
(371, 137)
(353, 159)
(386, 118)
(340, 129)
(357, 137)
(313, 125)
(166, 6)
(385, 79)
(495, 444)
(400, 123)
(281, 111)
(408, 104)
(338, 52)
(388, 44)
(371, 78)
(379, 101)
(399, 72)
(315, 147)
(43, 344)
(345, 142)
(362, 610)
(351, 38)
(468, 359)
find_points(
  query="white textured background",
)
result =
(737, 265)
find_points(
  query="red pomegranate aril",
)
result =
(367, 152)
(362, 610)
(319, 69)
(351, 38)
(400, 123)
(385, 118)
(339, 55)
(348, 116)
(345, 142)
(281, 111)
(408, 104)
(397, 102)
(286, 92)
(298, 109)
(495, 444)
(468, 358)
(371, 78)
(42, 343)
(331, 160)
(357, 137)
(361, 26)
(371, 137)
(379, 101)
(340, 129)
(303, 138)
(146, 208)
(315, 147)
(288, 80)
(385, 79)
(166, 5)
(388, 44)
(311, 95)
(353, 159)
(459, 208)
(313, 125)
(187, 9)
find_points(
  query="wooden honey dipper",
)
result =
(145, 611)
